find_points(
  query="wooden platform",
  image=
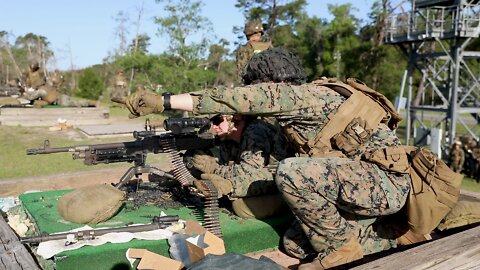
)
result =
(50, 116)
(13, 254)
(460, 250)
(457, 251)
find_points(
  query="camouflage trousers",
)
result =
(337, 199)
(65, 100)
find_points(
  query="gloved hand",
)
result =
(142, 103)
(222, 185)
(205, 163)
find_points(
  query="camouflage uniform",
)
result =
(35, 77)
(56, 80)
(42, 94)
(457, 158)
(120, 89)
(244, 164)
(252, 46)
(476, 155)
(320, 191)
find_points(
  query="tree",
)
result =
(121, 32)
(340, 39)
(215, 61)
(140, 44)
(183, 69)
(182, 23)
(90, 84)
(37, 48)
(7, 62)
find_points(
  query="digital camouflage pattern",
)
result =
(319, 189)
(35, 78)
(245, 164)
(304, 108)
(354, 187)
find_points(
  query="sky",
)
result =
(83, 32)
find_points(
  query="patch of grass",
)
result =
(470, 185)
(14, 162)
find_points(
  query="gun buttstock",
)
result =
(33, 151)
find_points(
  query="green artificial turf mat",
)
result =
(240, 235)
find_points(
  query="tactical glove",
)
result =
(205, 163)
(142, 103)
(222, 185)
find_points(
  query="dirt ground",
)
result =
(17, 186)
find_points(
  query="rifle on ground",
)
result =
(159, 222)
(182, 134)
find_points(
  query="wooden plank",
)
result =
(469, 194)
(53, 111)
(13, 254)
(457, 251)
(53, 122)
(49, 116)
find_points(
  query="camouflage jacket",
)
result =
(35, 79)
(457, 156)
(245, 163)
(303, 108)
(246, 52)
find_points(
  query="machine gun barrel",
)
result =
(158, 223)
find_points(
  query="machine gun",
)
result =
(159, 222)
(181, 134)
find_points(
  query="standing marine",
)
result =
(253, 32)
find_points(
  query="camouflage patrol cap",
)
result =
(253, 27)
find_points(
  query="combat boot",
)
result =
(410, 237)
(349, 252)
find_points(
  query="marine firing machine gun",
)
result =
(181, 134)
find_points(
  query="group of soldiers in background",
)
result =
(464, 157)
(37, 89)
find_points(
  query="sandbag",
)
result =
(464, 213)
(434, 191)
(91, 204)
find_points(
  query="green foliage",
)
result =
(182, 22)
(140, 44)
(90, 84)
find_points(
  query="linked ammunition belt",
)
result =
(181, 173)
(211, 219)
